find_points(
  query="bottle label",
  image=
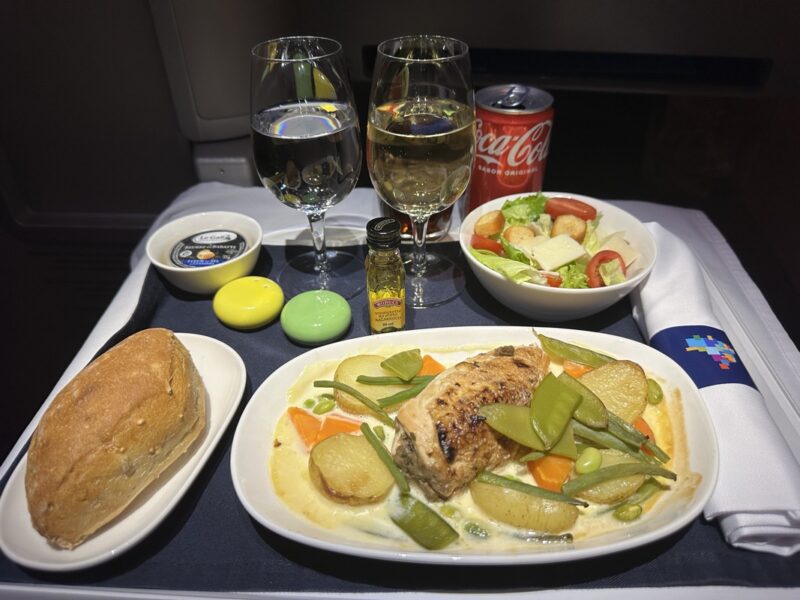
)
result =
(387, 314)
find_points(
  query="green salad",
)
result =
(551, 241)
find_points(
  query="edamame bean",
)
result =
(628, 512)
(325, 404)
(379, 432)
(654, 392)
(475, 530)
(589, 460)
(309, 403)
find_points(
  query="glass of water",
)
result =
(306, 148)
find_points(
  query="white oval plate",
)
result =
(252, 446)
(224, 375)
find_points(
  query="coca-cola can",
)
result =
(512, 141)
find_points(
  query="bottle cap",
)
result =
(383, 233)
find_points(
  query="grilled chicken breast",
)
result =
(442, 442)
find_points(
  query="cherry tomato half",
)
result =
(593, 268)
(483, 243)
(555, 207)
(553, 280)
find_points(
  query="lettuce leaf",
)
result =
(573, 276)
(611, 272)
(523, 210)
(510, 269)
(513, 252)
(590, 239)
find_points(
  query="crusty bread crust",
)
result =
(110, 432)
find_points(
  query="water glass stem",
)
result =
(317, 223)
(419, 231)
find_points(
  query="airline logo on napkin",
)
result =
(705, 353)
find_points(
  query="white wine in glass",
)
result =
(307, 148)
(421, 144)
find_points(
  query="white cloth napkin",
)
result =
(757, 497)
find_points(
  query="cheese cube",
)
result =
(557, 251)
(617, 243)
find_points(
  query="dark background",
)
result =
(689, 104)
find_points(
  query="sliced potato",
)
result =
(347, 470)
(613, 490)
(573, 226)
(363, 364)
(523, 510)
(621, 385)
(490, 224)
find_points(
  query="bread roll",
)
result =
(110, 432)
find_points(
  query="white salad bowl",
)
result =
(207, 279)
(551, 304)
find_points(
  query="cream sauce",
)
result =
(291, 480)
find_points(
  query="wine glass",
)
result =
(421, 144)
(307, 148)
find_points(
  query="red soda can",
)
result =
(512, 141)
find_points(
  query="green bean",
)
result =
(404, 364)
(591, 411)
(386, 458)
(534, 455)
(325, 404)
(654, 392)
(402, 395)
(475, 530)
(601, 437)
(370, 380)
(582, 482)
(628, 512)
(379, 412)
(567, 351)
(649, 488)
(519, 486)
(589, 460)
(625, 431)
(422, 523)
(551, 409)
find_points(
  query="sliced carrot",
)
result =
(333, 425)
(642, 427)
(306, 424)
(430, 366)
(551, 471)
(575, 369)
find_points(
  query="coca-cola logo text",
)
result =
(530, 147)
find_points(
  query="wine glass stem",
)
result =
(419, 231)
(317, 223)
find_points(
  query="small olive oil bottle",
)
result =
(386, 276)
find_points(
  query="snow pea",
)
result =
(514, 423)
(566, 351)
(404, 364)
(591, 411)
(422, 523)
(582, 482)
(551, 409)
